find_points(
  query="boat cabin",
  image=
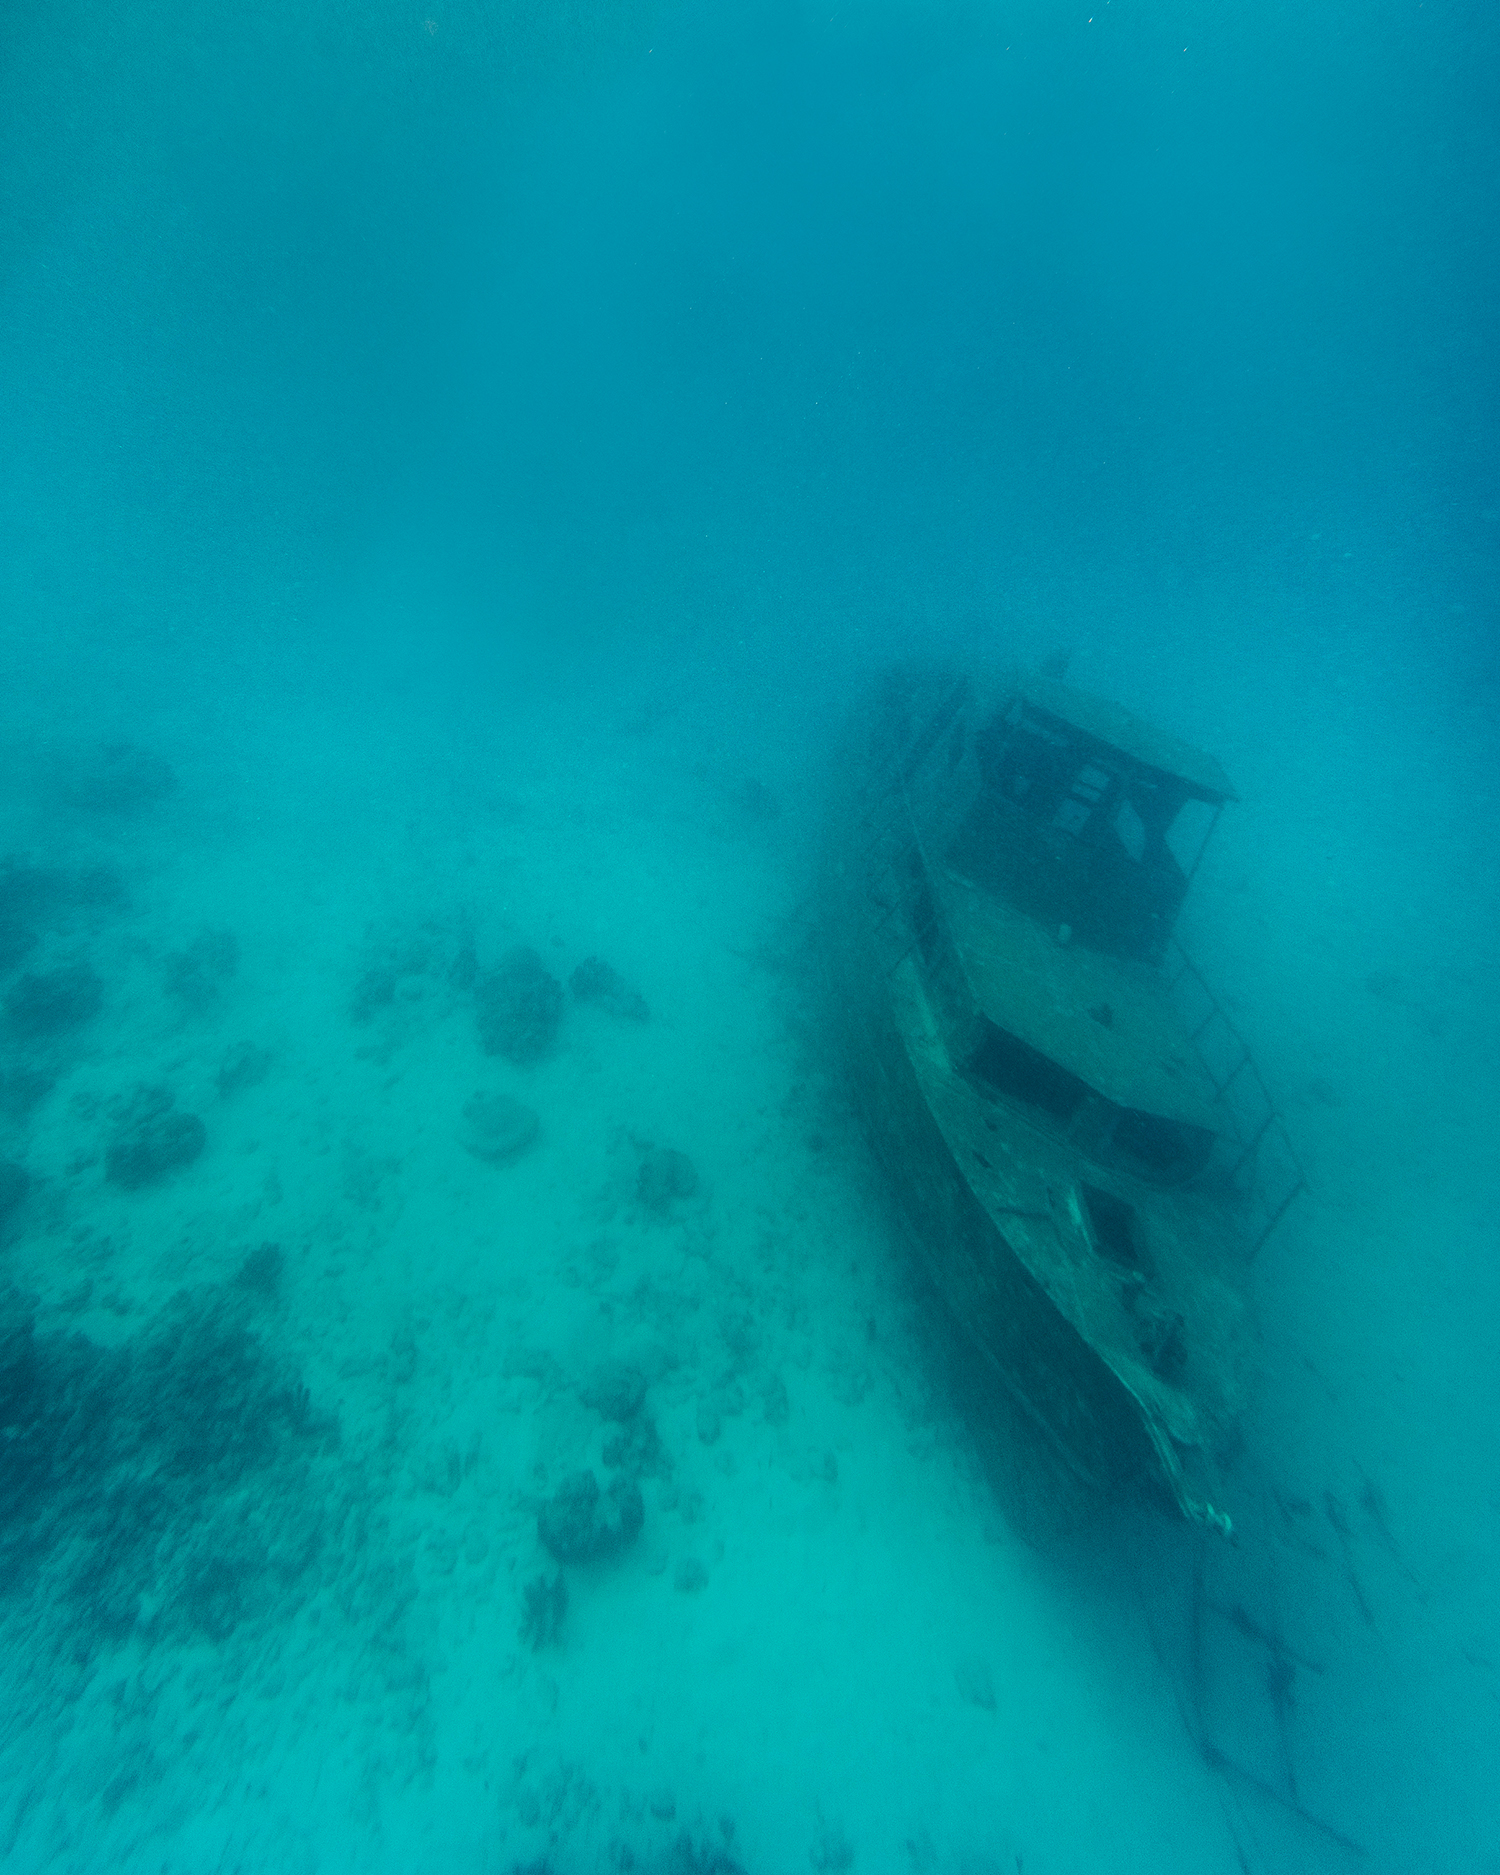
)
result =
(1068, 833)
(1087, 819)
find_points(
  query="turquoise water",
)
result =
(459, 464)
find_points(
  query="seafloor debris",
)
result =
(519, 1007)
(158, 1487)
(51, 1002)
(595, 981)
(1339, 1519)
(197, 975)
(244, 1065)
(580, 1523)
(546, 1610)
(665, 1176)
(690, 1576)
(152, 1140)
(496, 1128)
(411, 962)
(637, 1450)
(21, 1090)
(261, 1272)
(615, 1390)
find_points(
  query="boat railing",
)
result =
(1263, 1166)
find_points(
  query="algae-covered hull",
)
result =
(1086, 1191)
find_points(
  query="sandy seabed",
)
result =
(301, 1399)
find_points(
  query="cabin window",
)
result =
(1131, 830)
(1029, 762)
(1012, 1067)
(1188, 833)
(1089, 787)
(1073, 831)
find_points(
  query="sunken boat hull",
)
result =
(1084, 1183)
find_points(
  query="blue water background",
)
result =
(482, 453)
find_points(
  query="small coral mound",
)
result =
(595, 981)
(52, 1002)
(243, 1066)
(519, 1006)
(196, 976)
(665, 1176)
(152, 1140)
(580, 1523)
(615, 1390)
(496, 1128)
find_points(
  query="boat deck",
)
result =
(1106, 1019)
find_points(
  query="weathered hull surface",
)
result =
(991, 1198)
(1069, 1399)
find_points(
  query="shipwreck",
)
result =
(1084, 1153)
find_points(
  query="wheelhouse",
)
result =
(1088, 820)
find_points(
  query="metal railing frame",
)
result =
(1243, 1173)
